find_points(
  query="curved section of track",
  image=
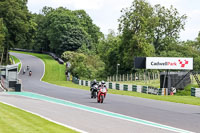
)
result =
(172, 114)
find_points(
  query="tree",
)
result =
(64, 31)
(92, 30)
(108, 50)
(61, 30)
(168, 26)
(2, 33)
(84, 66)
(147, 31)
(17, 21)
(41, 41)
(2, 38)
(136, 26)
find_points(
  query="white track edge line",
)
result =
(73, 128)
(110, 112)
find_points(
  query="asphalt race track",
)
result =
(177, 115)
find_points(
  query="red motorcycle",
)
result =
(30, 73)
(101, 93)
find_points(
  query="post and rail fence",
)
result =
(146, 76)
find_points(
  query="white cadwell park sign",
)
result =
(169, 63)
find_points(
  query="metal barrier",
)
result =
(134, 88)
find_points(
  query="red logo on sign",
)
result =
(183, 63)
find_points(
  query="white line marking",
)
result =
(177, 129)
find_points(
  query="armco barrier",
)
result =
(195, 92)
(136, 88)
(125, 88)
(192, 91)
(110, 85)
(89, 83)
(161, 91)
(129, 87)
(144, 89)
(139, 88)
(117, 86)
(60, 61)
(75, 80)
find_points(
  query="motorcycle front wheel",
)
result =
(102, 98)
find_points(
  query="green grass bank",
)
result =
(14, 120)
(16, 60)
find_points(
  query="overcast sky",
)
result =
(105, 13)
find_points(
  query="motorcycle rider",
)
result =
(28, 68)
(30, 73)
(24, 71)
(102, 84)
(93, 89)
(101, 93)
(94, 82)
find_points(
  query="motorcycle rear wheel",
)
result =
(94, 95)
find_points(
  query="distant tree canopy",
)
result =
(144, 30)
(85, 66)
(16, 24)
(62, 30)
(147, 30)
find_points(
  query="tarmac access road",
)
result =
(181, 116)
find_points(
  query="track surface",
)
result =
(172, 114)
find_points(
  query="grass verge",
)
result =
(54, 73)
(16, 60)
(13, 120)
(152, 83)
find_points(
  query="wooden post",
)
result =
(123, 77)
(135, 76)
(138, 76)
(149, 77)
(153, 76)
(127, 77)
(131, 76)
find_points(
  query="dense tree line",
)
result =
(16, 25)
(144, 30)
(61, 30)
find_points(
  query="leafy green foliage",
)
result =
(84, 66)
(148, 31)
(108, 50)
(137, 26)
(168, 27)
(2, 33)
(17, 21)
(62, 30)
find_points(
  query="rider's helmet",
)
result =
(95, 81)
(102, 82)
